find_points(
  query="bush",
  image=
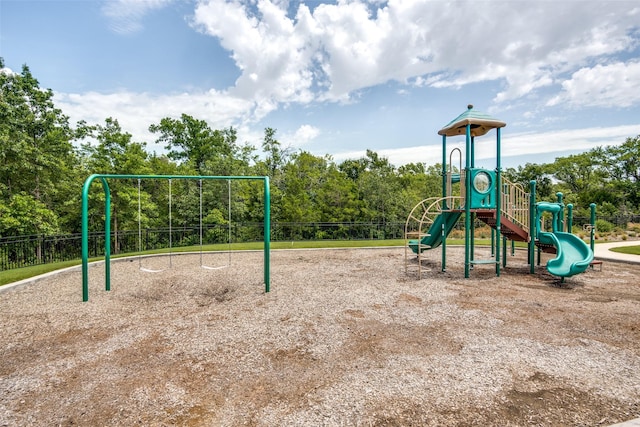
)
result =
(604, 226)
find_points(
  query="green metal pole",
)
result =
(498, 200)
(472, 242)
(467, 211)
(85, 234)
(570, 218)
(443, 249)
(444, 166)
(85, 239)
(559, 223)
(532, 225)
(443, 234)
(107, 234)
(267, 235)
(473, 151)
(493, 242)
(504, 250)
(593, 226)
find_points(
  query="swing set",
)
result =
(103, 178)
(201, 228)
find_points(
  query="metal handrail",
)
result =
(515, 204)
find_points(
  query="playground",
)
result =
(428, 334)
(345, 337)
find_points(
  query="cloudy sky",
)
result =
(341, 77)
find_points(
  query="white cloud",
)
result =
(125, 16)
(527, 144)
(578, 140)
(331, 51)
(611, 85)
(302, 136)
(136, 111)
(270, 52)
(339, 48)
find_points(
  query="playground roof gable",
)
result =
(481, 123)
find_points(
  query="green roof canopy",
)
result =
(481, 123)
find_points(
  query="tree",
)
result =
(419, 182)
(533, 172)
(35, 147)
(337, 197)
(276, 157)
(623, 162)
(115, 153)
(192, 141)
(24, 215)
(380, 190)
(232, 158)
(302, 179)
(353, 168)
(272, 166)
(583, 179)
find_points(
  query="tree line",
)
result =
(44, 161)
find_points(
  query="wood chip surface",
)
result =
(344, 338)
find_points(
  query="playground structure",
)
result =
(103, 178)
(482, 194)
(201, 224)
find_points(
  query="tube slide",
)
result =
(573, 255)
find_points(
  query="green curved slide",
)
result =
(433, 239)
(573, 255)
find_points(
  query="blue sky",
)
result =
(342, 77)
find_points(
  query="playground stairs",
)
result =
(508, 228)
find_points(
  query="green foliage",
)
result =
(541, 174)
(603, 226)
(276, 157)
(115, 153)
(36, 154)
(24, 215)
(337, 198)
(191, 141)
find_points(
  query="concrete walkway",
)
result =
(630, 423)
(602, 252)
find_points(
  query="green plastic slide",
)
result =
(573, 255)
(433, 239)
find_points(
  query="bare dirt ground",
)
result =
(345, 337)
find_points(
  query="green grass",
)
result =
(11, 276)
(632, 250)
